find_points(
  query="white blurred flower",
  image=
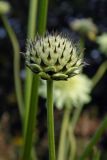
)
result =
(74, 92)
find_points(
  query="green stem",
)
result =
(16, 64)
(42, 16)
(32, 20)
(94, 139)
(63, 134)
(97, 154)
(99, 74)
(50, 120)
(76, 116)
(30, 78)
(82, 43)
(41, 27)
(31, 114)
(32, 81)
(72, 142)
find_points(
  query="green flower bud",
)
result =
(53, 57)
(4, 7)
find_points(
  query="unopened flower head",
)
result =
(74, 92)
(4, 7)
(53, 56)
(102, 41)
(85, 27)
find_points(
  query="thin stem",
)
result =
(42, 16)
(94, 139)
(97, 154)
(75, 117)
(41, 27)
(31, 114)
(31, 34)
(50, 120)
(72, 142)
(71, 128)
(63, 134)
(32, 81)
(30, 78)
(99, 74)
(82, 42)
(16, 64)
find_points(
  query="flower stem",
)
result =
(33, 27)
(30, 79)
(75, 117)
(50, 120)
(82, 42)
(72, 126)
(16, 64)
(32, 19)
(42, 16)
(63, 134)
(33, 80)
(72, 142)
(96, 154)
(30, 124)
(99, 74)
(94, 139)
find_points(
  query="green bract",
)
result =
(74, 92)
(53, 57)
(4, 7)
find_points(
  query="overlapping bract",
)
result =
(53, 57)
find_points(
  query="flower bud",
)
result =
(4, 7)
(85, 27)
(102, 41)
(53, 57)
